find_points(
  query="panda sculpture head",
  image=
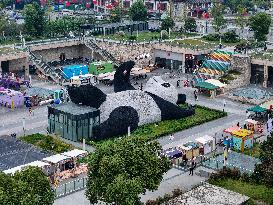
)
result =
(130, 107)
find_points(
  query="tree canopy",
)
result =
(218, 18)
(264, 171)
(28, 187)
(120, 171)
(190, 24)
(167, 23)
(260, 24)
(116, 14)
(138, 11)
(34, 19)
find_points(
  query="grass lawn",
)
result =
(47, 142)
(195, 44)
(267, 55)
(254, 191)
(145, 36)
(151, 131)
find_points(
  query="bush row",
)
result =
(167, 197)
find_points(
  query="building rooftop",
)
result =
(73, 109)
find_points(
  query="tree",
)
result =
(218, 18)
(264, 172)
(34, 19)
(120, 171)
(116, 15)
(241, 20)
(190, 24)
(28, 187)
(138, 11)
(167, 23)
(260, 24)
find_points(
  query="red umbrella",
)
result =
(67, 3)
(95, 2)
(87, 5)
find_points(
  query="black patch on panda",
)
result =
(170, 111)
(181, 99)
(86, 95)
(117, 123)
(122, 77)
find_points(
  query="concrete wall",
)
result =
(17, 64)
(168, 55)
(242, 64)
(70, 52)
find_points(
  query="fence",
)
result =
(70, 187)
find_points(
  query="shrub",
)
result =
(121, 33)
(132, 38)
(164, 34)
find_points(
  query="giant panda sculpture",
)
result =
(128, 107)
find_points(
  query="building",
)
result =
(71, 121)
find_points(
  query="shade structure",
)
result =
(205, 139)
(267, 105)
(19, 168)
(206, 85)
(232, 129)
(75, 153)
(251, 121)
(242, 133)
(56, 158)
(216, 83)
(257, 109)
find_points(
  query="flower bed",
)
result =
(47, 142)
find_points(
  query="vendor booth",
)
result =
(43, 165)
(211, 87)
(242, 139)
(256, 126)
(190, 149)
(206, 144)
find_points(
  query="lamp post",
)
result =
(24, 125)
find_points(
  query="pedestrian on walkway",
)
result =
(195, 95)
(224, 104)
(192, 167)
(171, 137)
(177, 83)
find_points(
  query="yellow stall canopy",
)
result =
(242, 133)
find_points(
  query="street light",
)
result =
(24, 125)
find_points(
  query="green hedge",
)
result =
(47, 142)
(155, 130)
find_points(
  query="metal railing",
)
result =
(70, 187)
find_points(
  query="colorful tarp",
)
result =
(232, 129)
(216, 83)
(242, 133)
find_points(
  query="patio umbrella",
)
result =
(257, 109)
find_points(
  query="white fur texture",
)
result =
(154, 86)
(144, 104)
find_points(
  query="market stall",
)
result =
(190, 149)
(207, 88)
(206, 144)
(43, 165)
(242, 139)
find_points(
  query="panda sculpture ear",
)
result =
(86, 95)
(122, 77)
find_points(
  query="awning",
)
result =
(56, 158)
(242, 133)
(19, 168)
(257, 109)
(232, 129)
(75, 153)
(267, 104)
(206, 85)
(251, 121)
(216, 83)
(205, 139)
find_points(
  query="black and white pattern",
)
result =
(128, 107)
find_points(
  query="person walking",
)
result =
(195, 95)
(192, 167)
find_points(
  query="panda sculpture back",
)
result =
(130, 107)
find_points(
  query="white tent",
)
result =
(39, 164)
(74, 153)
(207, 143)
(216, 83)
(54, 159)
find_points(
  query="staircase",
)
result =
(105, 54)
(56, 74)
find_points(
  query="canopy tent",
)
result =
(242, 133)
(205, 139)
(56, 158)
(232, 129)
(267, 105)
(216, 83)
(19, 168)
(251, 121)
(257, 109)
(75, 153)
(206, 85)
